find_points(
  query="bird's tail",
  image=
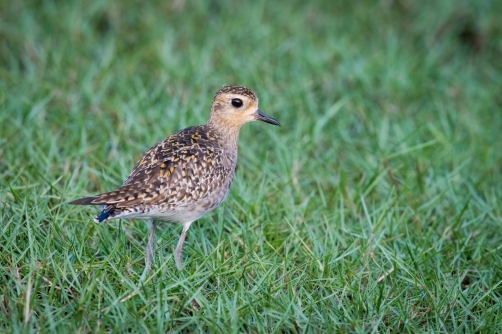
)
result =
(105, 213)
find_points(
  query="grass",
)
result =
(375, 208)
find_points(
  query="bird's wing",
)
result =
(182, 168)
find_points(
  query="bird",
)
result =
(185, 176)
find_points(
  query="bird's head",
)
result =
(234, 106)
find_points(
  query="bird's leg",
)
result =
(149, 251)
(179, 247)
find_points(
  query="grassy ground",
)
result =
(375, 208)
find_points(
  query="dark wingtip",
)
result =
(83, 201)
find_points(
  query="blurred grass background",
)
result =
(375, 208)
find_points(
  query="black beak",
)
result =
(260, 116)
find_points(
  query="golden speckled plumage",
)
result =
(182, 171)
(188, 174)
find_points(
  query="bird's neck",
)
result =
(227, 132)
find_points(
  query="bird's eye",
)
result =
(237, 103)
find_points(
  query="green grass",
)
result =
(375, 208)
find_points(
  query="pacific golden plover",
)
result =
(186, 175)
